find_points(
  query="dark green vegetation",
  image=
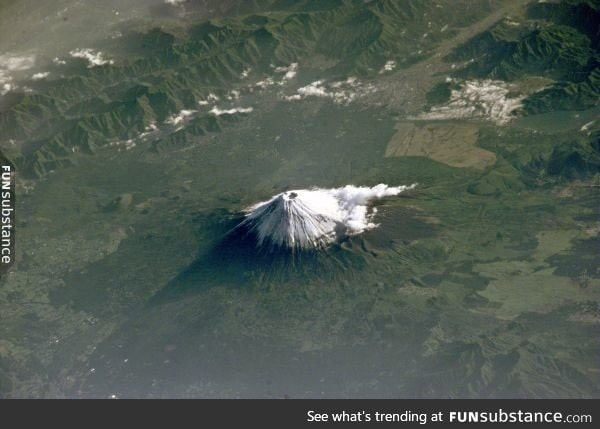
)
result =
(558, 41)
(482, 282)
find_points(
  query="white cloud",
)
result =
(314, 89)
(10, 64)
(5, 82)
(265, 83)
(94, 58)
(127, 144)
(42, 75)
(16, 63)
(388, 66)
(218, 112)
(293, 97)
(211, 98)
(179, 117)
(151, 127)
(487, 99)
(233, 95)
(5, 87)
(290, 72)
(340, 92)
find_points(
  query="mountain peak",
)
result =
(315, 218)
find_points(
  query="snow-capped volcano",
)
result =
(303, 219)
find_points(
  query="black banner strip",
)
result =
(301, 413)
